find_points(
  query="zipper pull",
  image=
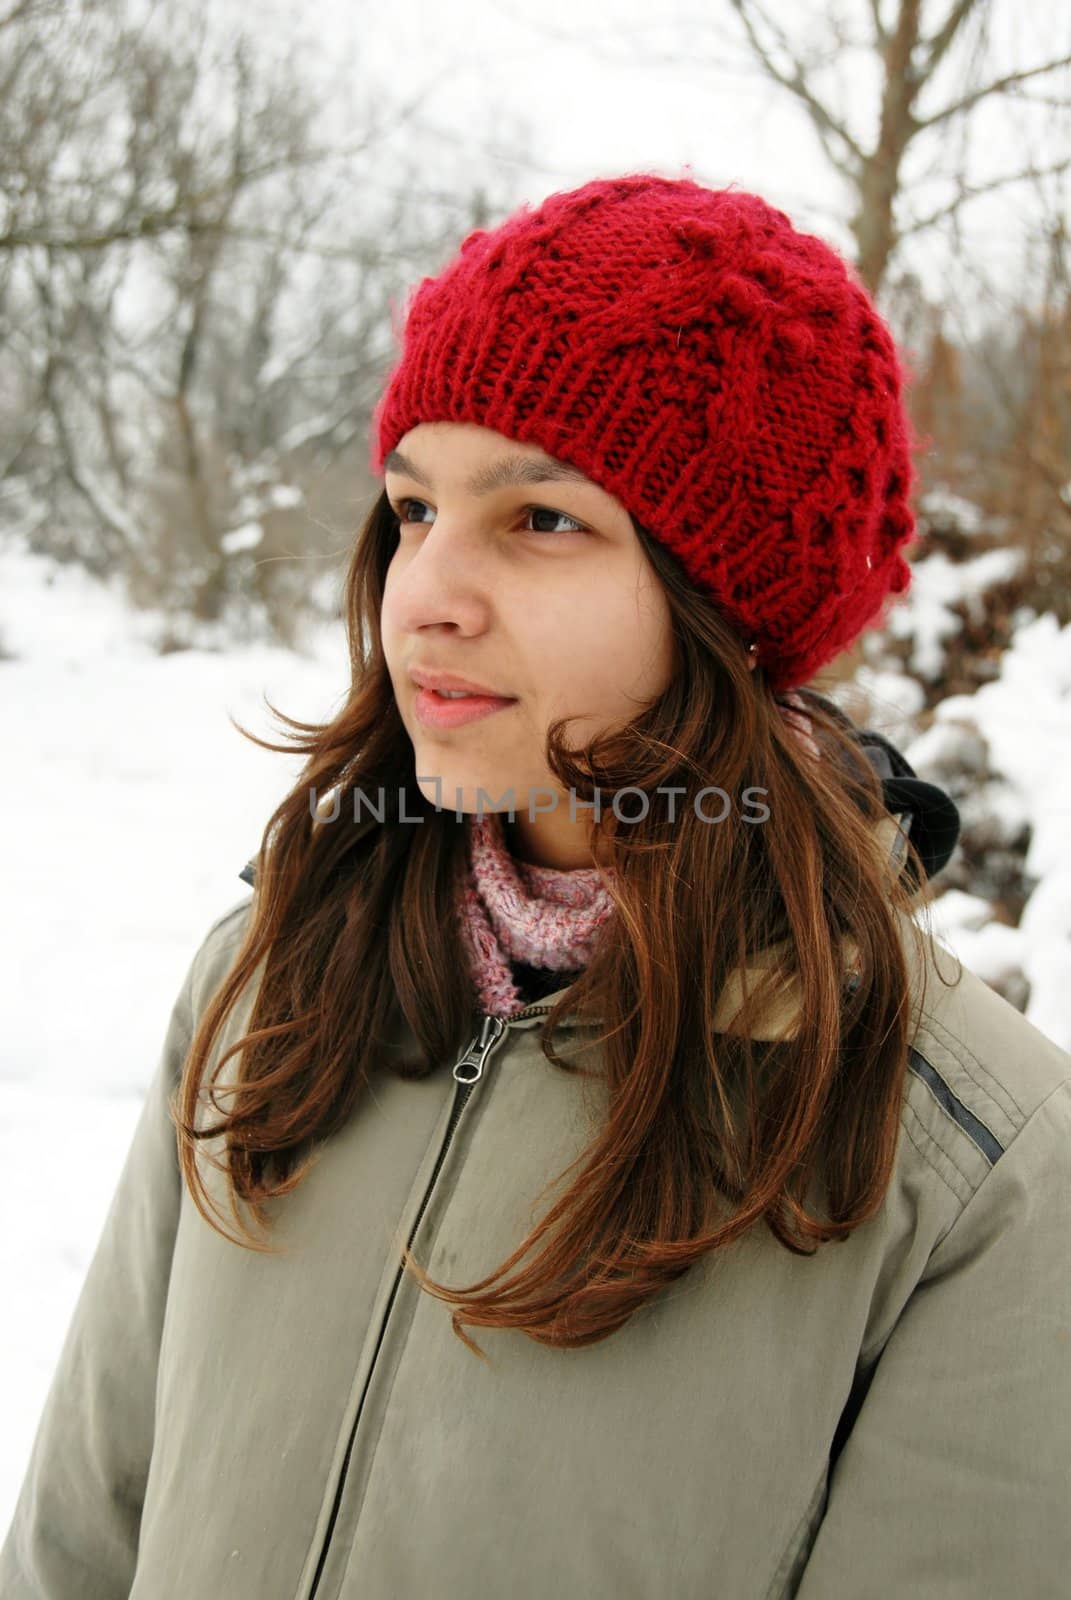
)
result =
(470, 1067)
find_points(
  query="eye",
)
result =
(404, 512)
(545, 511)
(402, 508)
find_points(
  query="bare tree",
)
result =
(1020, 376)
(80, 165)
(910, 56)
(195, 297)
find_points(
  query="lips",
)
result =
(436, 679)
(435, 711)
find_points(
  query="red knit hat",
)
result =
(723, 376)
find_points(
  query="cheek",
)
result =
(656, 650)
(627, 649)
(386, 607)
(390, 629)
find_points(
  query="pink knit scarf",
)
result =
(511, 910)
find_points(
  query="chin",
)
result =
(460, 793)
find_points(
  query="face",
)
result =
(520, 576)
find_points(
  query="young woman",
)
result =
(582, 1003)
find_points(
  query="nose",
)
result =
(440, 581)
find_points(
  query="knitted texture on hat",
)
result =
(724, 376)
(511, 910)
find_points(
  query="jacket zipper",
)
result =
(468, 1070)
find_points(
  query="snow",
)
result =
(893, 700)
(965, 912)
(993, 952)
(245, 537)
(132, 804)
(948, 747)
(286, 495)
(1023, 720)
(941, 505)
(1009, 742)
(937, 585)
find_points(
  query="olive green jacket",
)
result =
(889, 1419)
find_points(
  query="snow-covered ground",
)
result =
(130, 806)
(1010, 742)
(1024, 719)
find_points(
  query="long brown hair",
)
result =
(708, 1129)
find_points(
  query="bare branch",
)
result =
(972, 191)
(828, 126)
(23, 10)
(938, 46)
(209, 227)
(1053, 102)
(881, 33)
(995, 86)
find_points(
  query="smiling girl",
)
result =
(583, 1000)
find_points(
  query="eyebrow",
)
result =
(507, 473)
